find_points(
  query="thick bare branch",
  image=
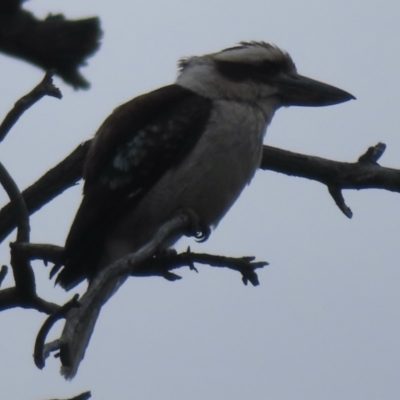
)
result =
(357, 175)
(364, 174)
(36, 251)
(38, 354)
(64, 175)
(80, 322)
(82, 396)
(11, 298)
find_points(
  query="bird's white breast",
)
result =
(207, 181)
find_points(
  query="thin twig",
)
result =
(162, 265)
(3, 273)
(22, 270)
(16, 199)
(24, 293)
(338, 198)
(44, 88)
(373, 154)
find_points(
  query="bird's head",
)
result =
(254, 72)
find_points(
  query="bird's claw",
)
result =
(203, 234)
(200, 231)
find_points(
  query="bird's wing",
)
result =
(132, 149)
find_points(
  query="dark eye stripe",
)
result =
(260, 72)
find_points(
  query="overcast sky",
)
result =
(325, 321)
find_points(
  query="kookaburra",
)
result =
(193, 145)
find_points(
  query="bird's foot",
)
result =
(197, 228)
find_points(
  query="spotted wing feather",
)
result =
(133, 148)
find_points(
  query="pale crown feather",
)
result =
(205, 74)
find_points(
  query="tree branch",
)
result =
(24, 293)
(3, 273)
(38, 354)
(44, 252)
(22, 270)
(364, 174)
(64, 175)
(80, 321)
(356, 175)
(163, 264)
(44, 88)
(82, 396)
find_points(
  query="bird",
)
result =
(192, 145)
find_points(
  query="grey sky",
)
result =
(324, 323)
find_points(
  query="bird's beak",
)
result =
(301, 91)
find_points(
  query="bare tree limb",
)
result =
(38, 354)
(24, 293)
(356, 175)
(36, 251)
(159, 266)
(22, 270)
(44, 88)
(11, 298)
(64, 175)
(3, 273)
(162, 265)
(82, 396)
(80, 321)
(364, 174)
(18, 203)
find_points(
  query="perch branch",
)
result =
(162, 265)
(356, 175)
(80, 321)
